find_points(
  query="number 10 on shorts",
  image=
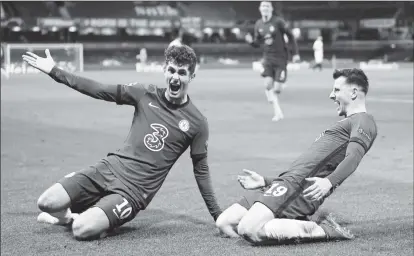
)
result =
(120, 211)
(276, 190)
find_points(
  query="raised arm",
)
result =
(121, 94)
(201, 171)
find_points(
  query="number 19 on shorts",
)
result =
(276, 190)
(121, 211)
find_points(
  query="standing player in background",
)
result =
(281, 211)
(270, 30)
(318, 53)
(165, 123)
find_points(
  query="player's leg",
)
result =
(228, 221)
(74, 193)
(110, 212)
(291, 209)
(280, 78)
(54, 204)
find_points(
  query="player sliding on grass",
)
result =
(280, 211)
(165, 123)
(271, 30)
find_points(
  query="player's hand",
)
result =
(43, 64)
(251, 181)
(248, 38)
(318, 189)
(296, 58)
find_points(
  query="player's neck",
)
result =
(179, 101)
(356, 109)
(266, 18)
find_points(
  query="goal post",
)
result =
(67, 56)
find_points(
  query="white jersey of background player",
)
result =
(318, 52)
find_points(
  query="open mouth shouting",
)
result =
(175, 86)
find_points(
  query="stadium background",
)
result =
(116, 31)
(49, 130)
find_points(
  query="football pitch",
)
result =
(49, 130)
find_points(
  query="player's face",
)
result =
(343, 95)
(265, 9)
(177, 79)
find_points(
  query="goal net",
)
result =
(67, 56)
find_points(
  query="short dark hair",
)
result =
(181, 55)
(353, 76)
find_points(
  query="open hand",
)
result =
(43, 64)
(318, 189)
(251, 181)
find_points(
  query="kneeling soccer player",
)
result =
(165, 123)
(281, 211)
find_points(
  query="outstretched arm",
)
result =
(120, 94)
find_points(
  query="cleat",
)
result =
(333, 231)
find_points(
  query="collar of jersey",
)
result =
(171, 105)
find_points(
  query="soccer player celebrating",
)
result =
(281, 211)
(165, 123)
(271, 31)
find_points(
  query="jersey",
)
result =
(271, 33)
(159, 134)
(318, 51)
(328, 149)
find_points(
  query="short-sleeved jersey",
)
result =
(159, 134)
(271, 33)
(329, 148)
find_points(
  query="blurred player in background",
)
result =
(281, 211)
(165, 123)
(318, 53)
(3, 68)
(270, 30)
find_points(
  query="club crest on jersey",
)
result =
(184, 125)
(271, 29)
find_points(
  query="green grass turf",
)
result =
(49, 130)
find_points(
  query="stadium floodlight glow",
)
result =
(235, 31)
(72, 29)
(35, 29)
(208, 31)
(16, 29)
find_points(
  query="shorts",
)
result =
(277, 71)
(97, 186)
(284, 199)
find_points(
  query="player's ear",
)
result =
(354, 93)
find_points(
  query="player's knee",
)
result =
(248, 232)
(54, 199)
(268, 83)
(278, 87)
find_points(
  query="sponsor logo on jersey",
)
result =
(155, 141)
